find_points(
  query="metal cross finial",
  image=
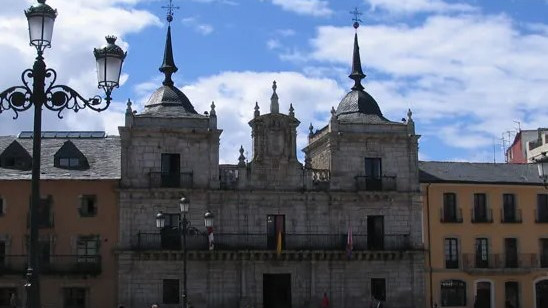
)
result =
(170, 9)
(356, 18)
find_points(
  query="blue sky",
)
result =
(469, 70)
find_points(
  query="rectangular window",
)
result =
(544, 252)
(1, 206)
(375, 232)
(275, 231)
(480, 208)
(170, 291)
(453, 293)
(451, 253)
(69, 162)
(378, 288)
(74, 297)
(2, 253)
(170, 170)
(511, 252)
(88, 206)
(450, 211)
(87, 249)
(511, 294)
(8, 297)
(373, 174)
(482, 253)
(170, 234)
(44, 216)
(509, 208)
(542, 208)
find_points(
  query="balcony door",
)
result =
(170, 235)
(509, 208)
(275, 231)
(482, 253)
(511, 252)
(375, 232)
(483, 295)
(373, 172)
(171, 170)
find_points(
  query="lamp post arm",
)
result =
(17, 98)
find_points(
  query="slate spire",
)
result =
(357, 73)
(168, 66)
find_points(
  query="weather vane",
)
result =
(170, 9)
(356, 18)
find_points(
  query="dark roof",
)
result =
(168, 101)
(358, 103)
(486, 173)
(103, 155)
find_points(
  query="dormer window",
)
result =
(15, 157)
(70, 157)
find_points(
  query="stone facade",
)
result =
(285, 232)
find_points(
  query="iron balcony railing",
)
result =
(262, 241)
(451, 216)
(541, 216)
(53, 265)
(510, 217)
(479, 216)
(171, 180)
(472, 261)
(369, 183)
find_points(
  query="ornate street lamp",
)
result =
(45, 93)
(184, 223)
(542, 164)
(208, 219)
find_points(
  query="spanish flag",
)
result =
(279, 243)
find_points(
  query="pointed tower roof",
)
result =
(358, 104)
(168, 66)
(168, 100)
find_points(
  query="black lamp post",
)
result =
(44, 93)
(184, 205)
(542, 164)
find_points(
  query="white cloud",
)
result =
(416, 6)
(467, 68)
(71, 53)
(204, 29)
(318, 8)
(273, 44)
(235, 94)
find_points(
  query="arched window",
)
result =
(542, 293)
(453, 293)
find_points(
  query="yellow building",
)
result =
(486, 231)
(78, 219)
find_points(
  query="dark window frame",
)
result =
(170, 170)
(378, 288)
(451, 252)
(480, 211)
(511, 254)
(543, 252)
(542, 208)
(2, 206)
(170, 291)
(509, 208)
(450, 209)
(74, 297)
(512, 287)
(482, 252)
(88, 206)
(453, 293)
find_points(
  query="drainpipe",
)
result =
(429, 243)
